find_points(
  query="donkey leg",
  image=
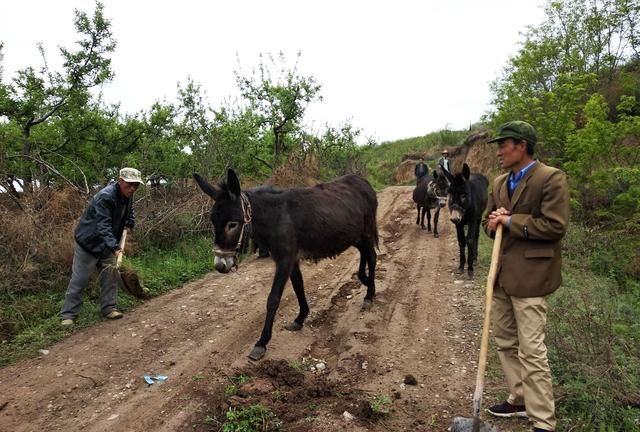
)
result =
(461, 245)
(283, 270)
(422, 212)
(472, 243)
(369, 253)
(298, 288)
(428, 219)
(418, 217)
(436, 216)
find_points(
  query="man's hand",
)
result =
(117, 251)
(499, 216)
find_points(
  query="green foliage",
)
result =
(381, 404)
(254, 418)
(279, 102)
(603, 163)
(593, 341)
(580, 49)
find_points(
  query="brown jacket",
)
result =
(530, 255)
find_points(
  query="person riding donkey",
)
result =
(444, 162)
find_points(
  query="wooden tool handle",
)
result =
(484, 342)
(123, 240)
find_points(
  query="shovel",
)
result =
(129, 278)
(462, 424)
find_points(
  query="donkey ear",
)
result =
(213, 191)
(466, 171)
(233, 184)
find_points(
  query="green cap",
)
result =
(517, 129)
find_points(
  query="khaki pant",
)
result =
(519, 330)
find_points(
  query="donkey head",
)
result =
(438, 188)
(228, 216)
(459, 194)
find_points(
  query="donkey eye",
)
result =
(232, 225)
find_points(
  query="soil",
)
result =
(407, 363)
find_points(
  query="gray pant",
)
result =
(84, 265)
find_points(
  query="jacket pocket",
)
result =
(539, 253)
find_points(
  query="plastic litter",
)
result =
(153, 379)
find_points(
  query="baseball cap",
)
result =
(517, 129)
(131, 175)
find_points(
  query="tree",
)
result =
(279, 102)
(44, 97)
(578, 50)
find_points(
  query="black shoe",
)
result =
(540, 430)
(505, 409)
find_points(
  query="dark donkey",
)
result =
(300, 223)
(430, 194)
(467, 202)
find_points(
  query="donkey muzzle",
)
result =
(456, 216)
(224, 261)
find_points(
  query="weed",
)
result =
(297, 364)
(277, 395)
(381, 404)
(197, 377)
(230, 390)
(254, 418)
(240, 379)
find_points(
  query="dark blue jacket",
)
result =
(102, 223)
(421, 170)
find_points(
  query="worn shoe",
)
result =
(66, 322)
(114, 314)
(540, 430)
(505, 409)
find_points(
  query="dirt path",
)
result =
(425, 322)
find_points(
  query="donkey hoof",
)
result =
(470, 274)
(257, 353)
(436, 235)
(293, 326)
(366, 304)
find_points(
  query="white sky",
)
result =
(395, 69)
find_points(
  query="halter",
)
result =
(432, 188)
(245, 204)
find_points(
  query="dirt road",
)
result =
(425, 322)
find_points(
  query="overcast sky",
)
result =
(395, 69)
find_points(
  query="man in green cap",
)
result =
(531, 202)
(97, 238)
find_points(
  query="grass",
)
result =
(381, 404)
(254, 418)
(35, 315)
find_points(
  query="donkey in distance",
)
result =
(309, 223)
(430, 194)
(467, 200)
